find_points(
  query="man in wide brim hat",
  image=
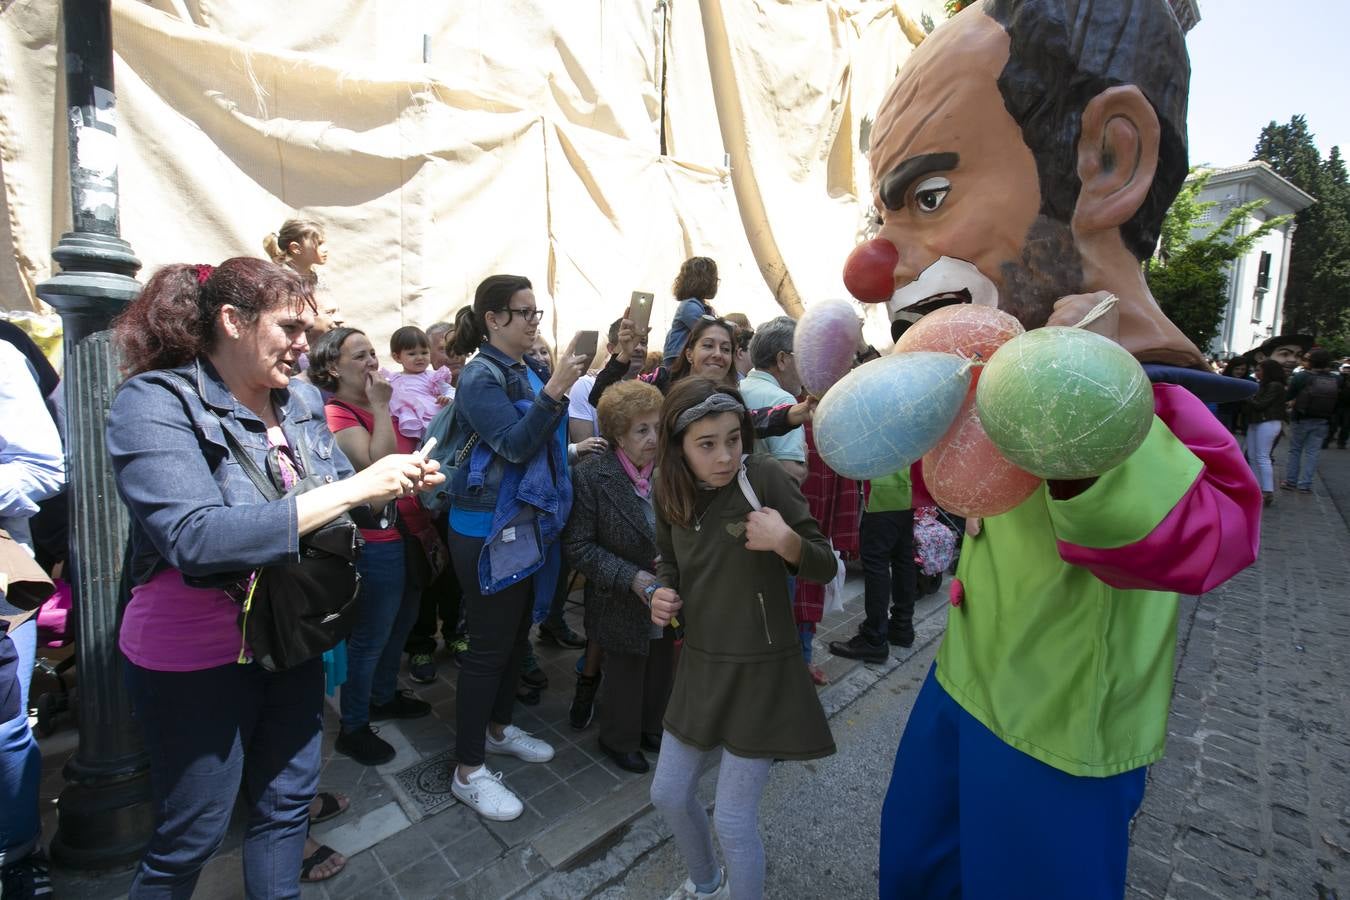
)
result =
(1285, 349)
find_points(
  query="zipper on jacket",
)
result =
(765, 617)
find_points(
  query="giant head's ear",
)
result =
(1117, 158)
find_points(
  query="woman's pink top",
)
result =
(171, 627)
(342, 416)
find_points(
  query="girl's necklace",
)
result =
(698, 517)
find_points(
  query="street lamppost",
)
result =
(105, 814)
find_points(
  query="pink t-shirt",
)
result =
(171, 627)
(340, 417)
(414, 405)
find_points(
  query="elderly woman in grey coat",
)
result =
(611, 540)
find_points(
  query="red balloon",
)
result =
(869, 271)
(967, 475)
(964, 329)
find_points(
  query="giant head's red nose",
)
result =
(869, 271)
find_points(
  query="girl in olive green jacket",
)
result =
(742, 685)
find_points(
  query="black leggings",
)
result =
(498, 628)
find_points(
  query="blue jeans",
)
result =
(1305, 445)
(967, 815)
(385, 613)
(205, 731)
(20, 759)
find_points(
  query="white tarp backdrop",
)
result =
(529, 141)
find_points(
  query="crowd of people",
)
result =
(1303, 394)
(483, 476)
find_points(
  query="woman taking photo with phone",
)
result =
(209, 354)
(516, 410)
(728, 544)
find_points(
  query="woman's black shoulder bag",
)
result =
(294, 611)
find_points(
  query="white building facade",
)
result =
(1256, 281)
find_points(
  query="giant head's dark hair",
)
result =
(325, 354)
(681, 367)
(1065, 52)
(676, 491)
(494, 294)
(173, 319)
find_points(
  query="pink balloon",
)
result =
(967, 475)
(964, 329)
(826, 344)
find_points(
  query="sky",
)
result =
(1257, 60)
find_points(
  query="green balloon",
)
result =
(1064, 403)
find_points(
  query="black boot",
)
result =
(583, 701)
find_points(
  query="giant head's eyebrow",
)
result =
(895, 183)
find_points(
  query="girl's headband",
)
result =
(715, 403)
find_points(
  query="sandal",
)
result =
(316, 859)
(330, 807)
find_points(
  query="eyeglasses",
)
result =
(532, 316)
(718, 320)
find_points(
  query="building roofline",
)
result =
(1266, 178)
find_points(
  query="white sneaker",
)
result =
(688, 891)
(521, 745)
(486, 795)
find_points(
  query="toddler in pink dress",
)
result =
(419, 390)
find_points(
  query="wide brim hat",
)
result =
(1303, 340)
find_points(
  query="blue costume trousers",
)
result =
(968, 816)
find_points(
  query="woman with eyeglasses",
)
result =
(710, 352)
(512, 406)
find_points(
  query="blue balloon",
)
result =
(887, 413)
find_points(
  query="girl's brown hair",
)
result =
(278, 243)
(697, 278)
(676, 492)
(681, 367)
(173, 319)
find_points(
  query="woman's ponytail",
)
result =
(469, 333)
(272, 246)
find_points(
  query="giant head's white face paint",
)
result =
(945, 276)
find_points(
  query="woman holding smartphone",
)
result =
(517, 410)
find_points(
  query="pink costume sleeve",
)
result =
(441, 379)
(1214, 530)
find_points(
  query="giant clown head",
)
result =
(1028, 151)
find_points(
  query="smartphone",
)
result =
(586, 344)
(640, 311)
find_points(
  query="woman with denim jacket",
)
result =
(512, 411)
(210, 351)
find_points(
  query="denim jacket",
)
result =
(536, 495)
(192, 507)
(489, 408)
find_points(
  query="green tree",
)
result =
(1189, 277)
(1319, 267)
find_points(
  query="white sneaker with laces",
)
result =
(486, 795)
(688, 891)
(521, 745)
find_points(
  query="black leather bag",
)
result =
(294, 611)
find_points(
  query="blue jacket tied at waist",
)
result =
(533, 502)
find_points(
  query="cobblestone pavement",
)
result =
(1253, 796)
